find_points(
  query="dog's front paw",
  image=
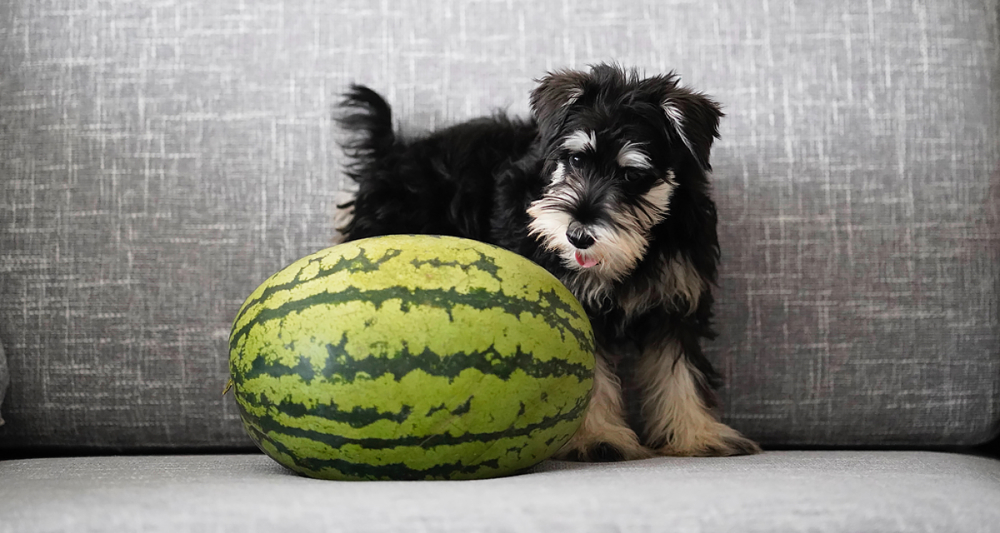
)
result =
(601, 452)
(738, 445)
(622, 445)
(718, 440)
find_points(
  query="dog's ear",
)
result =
(555, 92)
(693, 117)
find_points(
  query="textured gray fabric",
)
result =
(160, 159)
(4, 380)
(853, 492)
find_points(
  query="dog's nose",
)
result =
(579, 236)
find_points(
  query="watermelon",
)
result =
(411, 357)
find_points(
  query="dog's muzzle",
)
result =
(579, 236)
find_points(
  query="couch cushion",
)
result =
(4, 380)
(776, 492)
(159, 159)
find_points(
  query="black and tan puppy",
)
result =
(606, 187)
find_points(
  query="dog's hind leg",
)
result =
(604, 434)
(676, 409)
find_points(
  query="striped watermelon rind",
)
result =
(411, 357)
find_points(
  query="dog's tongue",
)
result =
(585, 262)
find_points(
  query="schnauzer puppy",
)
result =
(606, 187)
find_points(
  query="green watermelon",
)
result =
(411, 357)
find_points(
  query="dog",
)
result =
(606, 186)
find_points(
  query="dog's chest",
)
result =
(668, 285)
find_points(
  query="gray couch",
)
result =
(159, 159)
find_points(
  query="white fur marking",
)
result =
(631, 156)
(659, 195)
(559, 174)
(580, 141)
(676, 116)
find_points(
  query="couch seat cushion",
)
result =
(773, 492)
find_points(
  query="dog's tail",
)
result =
(367, 118)
(370, 147)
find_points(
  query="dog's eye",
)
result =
(575, 160)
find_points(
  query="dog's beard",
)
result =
(621, 238)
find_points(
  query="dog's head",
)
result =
(618, 150)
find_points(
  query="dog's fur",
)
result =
(606, 187)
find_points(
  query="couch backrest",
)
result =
(160, 159)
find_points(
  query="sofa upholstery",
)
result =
(4, 380)
(820, 492)
(158, 160)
